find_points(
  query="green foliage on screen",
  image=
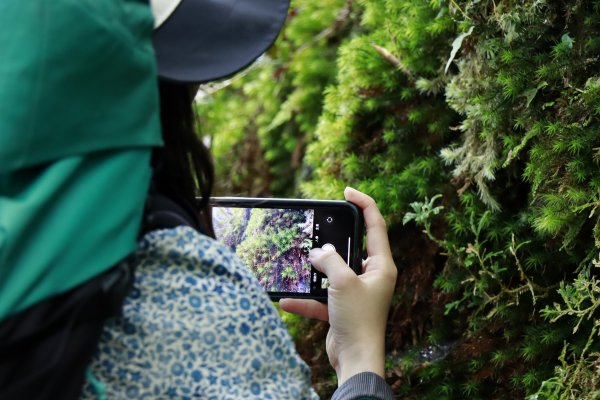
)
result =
(271, 242)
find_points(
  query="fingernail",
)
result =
(315, 253)
(350, 190)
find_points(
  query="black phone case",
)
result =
(356, 253)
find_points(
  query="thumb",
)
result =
(331, 264)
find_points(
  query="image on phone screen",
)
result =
(274, 243)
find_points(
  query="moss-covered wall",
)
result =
(475, 125)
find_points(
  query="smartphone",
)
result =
(274, 236)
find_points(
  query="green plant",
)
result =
(492, 108)
(578, 375)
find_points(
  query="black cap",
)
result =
(206, 40)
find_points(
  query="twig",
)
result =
(513, 251)
(459, 9)
(340, 22)
(385, 53)
(392, 59)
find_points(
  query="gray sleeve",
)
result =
(366, 385)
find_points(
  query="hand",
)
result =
(358, 305)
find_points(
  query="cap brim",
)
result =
(206, 40)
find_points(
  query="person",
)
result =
(197, 323)
(79, 118)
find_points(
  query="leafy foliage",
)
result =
(578, 375)
(475, 125)
(272, 109)
(271, 242)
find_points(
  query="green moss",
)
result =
(492, 105)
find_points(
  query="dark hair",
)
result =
(183, 168)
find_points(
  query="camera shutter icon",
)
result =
(328, 247)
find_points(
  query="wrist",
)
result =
(368, 357)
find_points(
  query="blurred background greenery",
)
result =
(475, 126)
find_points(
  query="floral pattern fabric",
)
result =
(196, 325)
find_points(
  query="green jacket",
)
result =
(78, 116)
(76, 76)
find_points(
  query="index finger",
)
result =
(305, 308)
(377, 238)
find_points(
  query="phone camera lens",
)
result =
(329, 220)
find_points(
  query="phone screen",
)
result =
(274, 242)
